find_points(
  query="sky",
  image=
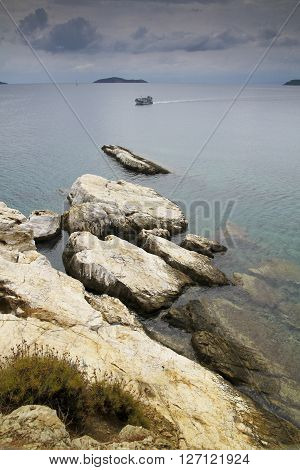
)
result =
(169, 41)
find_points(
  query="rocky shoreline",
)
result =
(90, 315)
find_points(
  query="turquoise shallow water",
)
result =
(252, 161)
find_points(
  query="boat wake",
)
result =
(225, 100)
(185, 101)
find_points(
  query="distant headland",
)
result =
(293, 83)
(118, 80)
(3, 83)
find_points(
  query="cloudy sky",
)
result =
(197, 41)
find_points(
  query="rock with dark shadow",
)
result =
(196, 266)
(117, 207)
(202, 245)
(120, 269)
(44, 224)
(16, 238)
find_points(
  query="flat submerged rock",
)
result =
(133, 162)
(229, 337)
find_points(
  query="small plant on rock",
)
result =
(40, 376)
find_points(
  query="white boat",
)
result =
(144, 101)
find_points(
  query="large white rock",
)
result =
(100, 219)
(139, 206)
(37, 427)
(15, 237)
(44, 224)
(49, 308)
(196, 266)
(123, 270)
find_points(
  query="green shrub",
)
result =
(110, 400)
(39, 376)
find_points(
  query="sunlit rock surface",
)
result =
(196, 266)
(44, 224)
(123, 270)
(120, 206)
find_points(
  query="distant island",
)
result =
(118, 80)
(293, 83)
(3, 83)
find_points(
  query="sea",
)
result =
(233, 156)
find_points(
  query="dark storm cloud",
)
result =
(144, 41)
(203, 2)
(214, 42)
(95, 2)
(140, 33)
(37, 20)
(77, 34)
(266, 36)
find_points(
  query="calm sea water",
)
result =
(253, 159)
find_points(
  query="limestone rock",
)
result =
(202, 245)
(45, 224)
(141, 438)
(120, 269)
(33, 427)
(134, 433)
(14, 236)
(36, 299)
(100, 219)
(10, 218)
(85, 443)
(112, 310)
(197, 408)
(196, 266)
(133, 206)
(133, 162)
(158, 232)
(148, 443)
(33, 257)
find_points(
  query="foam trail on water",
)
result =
(219, 100)
(187, 101)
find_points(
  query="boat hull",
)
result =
(144, 101)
